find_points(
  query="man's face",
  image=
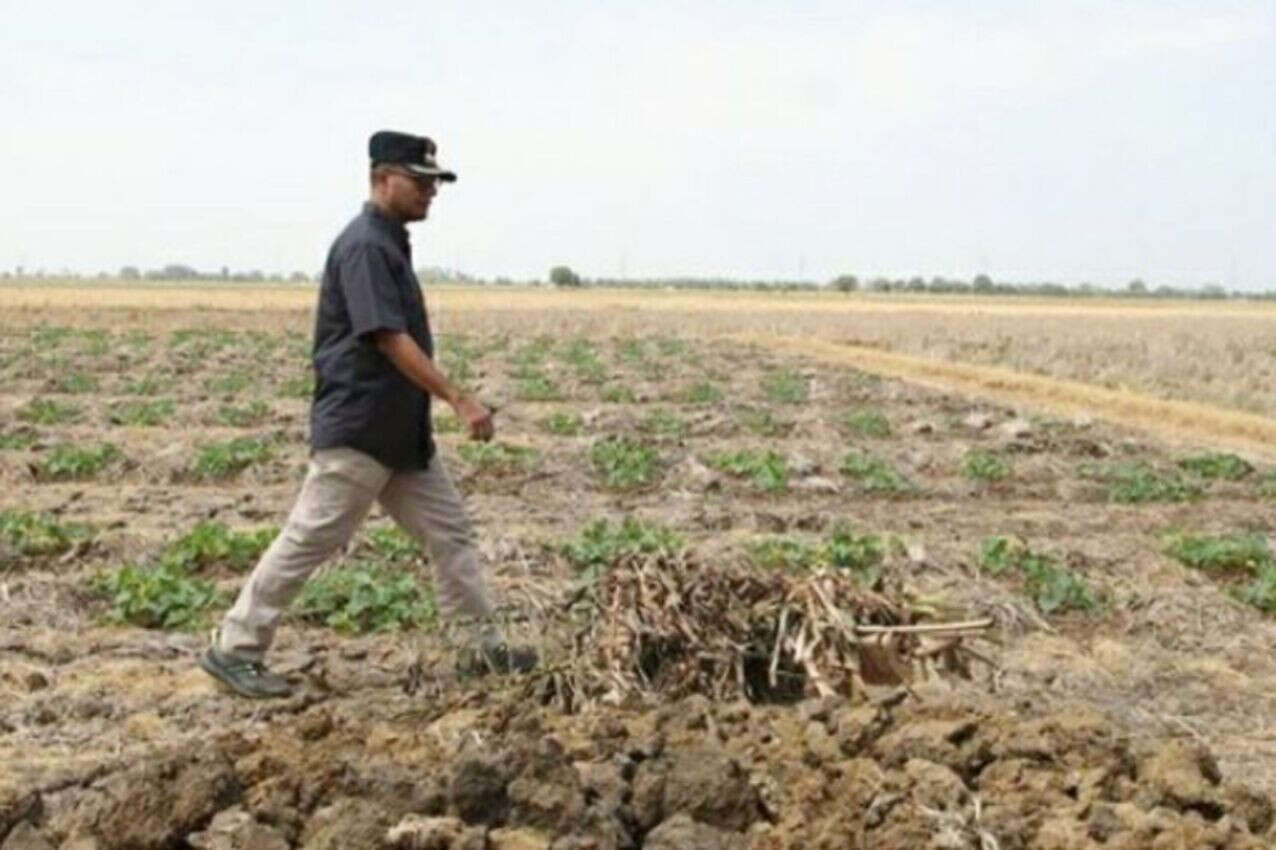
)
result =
(408, 196)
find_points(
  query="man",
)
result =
(370, 433)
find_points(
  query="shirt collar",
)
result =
(391, 226)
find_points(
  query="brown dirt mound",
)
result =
(504, 774)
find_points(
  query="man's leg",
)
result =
(426, 504)
(339, 488)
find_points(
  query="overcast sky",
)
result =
(1067, 141)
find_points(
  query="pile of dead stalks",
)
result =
(670, 626)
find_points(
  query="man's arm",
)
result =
(401, 350)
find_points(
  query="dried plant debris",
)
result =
(670, 626)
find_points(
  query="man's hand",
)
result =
(476, 417)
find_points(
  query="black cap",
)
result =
(414, 153)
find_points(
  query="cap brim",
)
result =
(426, 171)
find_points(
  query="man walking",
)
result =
(370, 433)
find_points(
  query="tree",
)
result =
(845, 283)
(564, 276)
(982, 283)
(130, 273)
(1136, 287)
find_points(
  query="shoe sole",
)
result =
(212, 670)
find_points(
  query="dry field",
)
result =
(150, 438)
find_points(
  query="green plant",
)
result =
(50, 336)
(1215, 465)
(564, 424)
(581, 355)
(761, 421)
(632, 351)
(18, 438)
(785, 386)
(983, 465)
(623, 464)
(68, 461)
(74, 382)
(1135, 483)
(785, 553)
(220, 460)
(1267, 485)
(298, 386)
(243, 415)
(617, 394)
(161, 596)
(863, 554)
(664, 423)
(1239, 552)
(536, 386)
(445, 423)
(499, 457)
(391, 544)
(31, 534)
(601, 542)
(671, 346)
(142, 413)
(868, 422)
(212, 543)
(874, 474)
(230, 383)
(366, 598)
(153, 384)
(1261, 592)
(1052, 587)
(703, 392)
(48, 411)
(769, 471)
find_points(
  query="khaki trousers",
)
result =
(340, 486)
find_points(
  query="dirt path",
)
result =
(1181, 423)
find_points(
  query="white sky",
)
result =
(1066, 141)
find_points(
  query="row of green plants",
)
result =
(1243, 561)
(381, 589)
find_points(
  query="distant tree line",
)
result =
(563, 276)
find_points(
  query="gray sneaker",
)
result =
(246, 678)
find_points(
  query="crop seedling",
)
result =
(844, 549)
(48, 411)
(581, 355)
(50, 337)
(663, 423)
(617, 394)
(94, 342)
(761, 421)
(501, 458)
(600, 543)
(367, 598)
(868, 422)
(874, 474)
(148, 385)
(229, 384)
(703, 392)
(19, 438)
(1238, 552)
(1267, 485)
(982, 465)
(391, 544)
(769, 471)
(785, 553)
(671, 346)
(1053, 588)
(243, 415)
(786, 387)
(217, 461)
(564, 424)
(141, 414)
(1216, 465)
(161, 596)
(298, 386)
(34, 535)
(623, 463)
(74, 383)
(536, 386)
(69, 462)
(213, 544)
(1136, 483)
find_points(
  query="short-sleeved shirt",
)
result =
(361, 400)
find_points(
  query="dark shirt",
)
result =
(362, 401)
